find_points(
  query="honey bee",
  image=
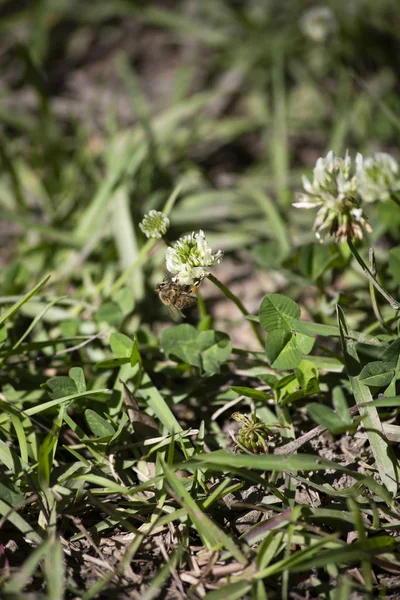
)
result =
(177, 297)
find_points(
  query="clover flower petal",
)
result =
(154, 224)
(378, 177)
(190, 258)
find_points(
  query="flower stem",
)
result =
(372, 291)
(227, 292)
(396, 199)
(393, 303)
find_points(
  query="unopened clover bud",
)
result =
(154, 224)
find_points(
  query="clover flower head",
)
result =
(318, 22)
(334, 191)
(190, 258)
(154, 224)
(378, 177)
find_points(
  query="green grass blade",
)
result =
(233, 591)
(125, 239)
(386, 463)
(158, 405)
(365, 562)
(95, 590)
(269, 549)
(15, 307)
(156, 585)
(26, 222)
(19, 522)
(36, 321)
(279, 149)
(384, 402)
(221, 460)
(54, 571)
(10, 459)
(140, 106)
(277, 224)
(28, 568)
(300, 558)
(348, 554)
(51, 403)
(20, 431)
(210, 533)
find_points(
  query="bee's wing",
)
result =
(175, 313)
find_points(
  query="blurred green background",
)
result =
(107, 107)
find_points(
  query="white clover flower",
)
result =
(378, 177)
(334, 191)
(190, 258)
(155, 224)
(317, 23)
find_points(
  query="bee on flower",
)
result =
(188, 261)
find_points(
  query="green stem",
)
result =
(396, 199)
(202, 305)
(226, 291)
(372, 292)
(393, 303)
